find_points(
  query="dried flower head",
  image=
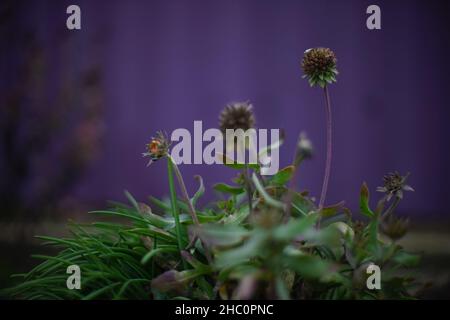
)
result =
(394, 227)
(394, 185)
(158, 147)
(238, 115)
(319, 66)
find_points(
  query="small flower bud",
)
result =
(158, 147)
(305, 147)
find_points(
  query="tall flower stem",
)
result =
(391, 208)
(155, 246)
(295, 163)
(189, 203)
(329, 150)
(248, 188)
(175, 211)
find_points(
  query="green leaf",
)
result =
(227, 161)
(132, 200)
(283, 176)
(146, 258)
(281, 289)
(364, 201)
(267, 198)
(100, 291)
(302, 204)
(161, 204)
(250, 248)
(225, 188)
(295, 227)
(222, 235)
(241, 166)
(372, 244)
(332, 210)
(200, 191)
(310, 267)
(406, 259)
(174, 206)
(237, 217)
(126, 285)
(196, 264)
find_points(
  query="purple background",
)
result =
(168, 63)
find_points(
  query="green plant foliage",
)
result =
(135, 253)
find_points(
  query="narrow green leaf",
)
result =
(283, 176)
(156, 251)
(132, 200)
(200, 191)
(175, 212)
(225, 188)
(332, 210)
(295, 227)
(234, 164)
(364, 201)
(267, 198)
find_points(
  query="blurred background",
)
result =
(78, 106)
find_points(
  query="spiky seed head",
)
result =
(394, 185)
(158, 147)
(237, 115)
(319, 66)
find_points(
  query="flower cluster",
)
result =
(319, 66)
(394, 185)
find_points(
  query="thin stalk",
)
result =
(175, 211)
(248, 189)
(391, 208)
(155, 246)
(329, 150)
(295, 162)
(189, 203)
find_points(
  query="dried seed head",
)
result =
(319, 66)
(238, 115)
(158, 147)
(393, 227)
(394, 185)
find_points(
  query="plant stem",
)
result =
(248, 189)
(329, 150)
(175, 212)
(185, 194)
(391, 208)
(155, 246)
(190, 205)
(295, 162)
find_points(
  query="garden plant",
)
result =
(262, 240)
